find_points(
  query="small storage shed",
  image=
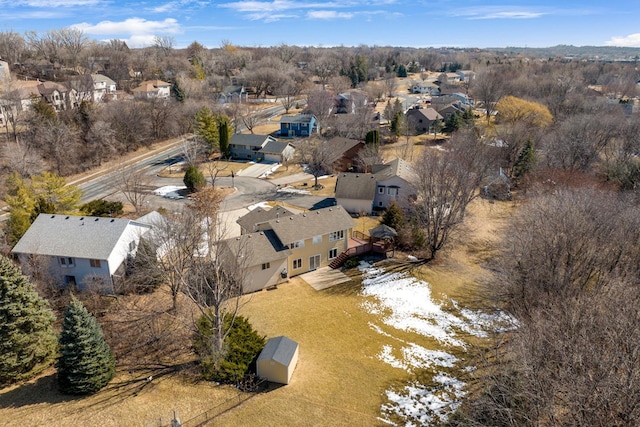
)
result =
(277, 360)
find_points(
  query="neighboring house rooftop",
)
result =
(396, 167)
(274, 147)
(298, 118)
(260, 215)
(313, 223)
(342, 144)
(73, 236)
(359, 186)
(280, 349)
(250, 140)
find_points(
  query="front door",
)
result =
(314, 262)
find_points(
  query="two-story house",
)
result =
(368, 192)
(152, 89)
(423, 119)
(298, 244)
(81, 251)
(300, 125)
(57, 95)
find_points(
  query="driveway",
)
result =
(256, 170)
(290, 179)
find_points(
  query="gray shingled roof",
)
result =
(280, 349)
(74, 236)
(358, 186)
(262, 247)
(313, 223)
(298, 118)
(274, 147)
(250, 140)
(396, 167)
(260, 215)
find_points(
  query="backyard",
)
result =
(362, 349)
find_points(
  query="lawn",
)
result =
(358, 364)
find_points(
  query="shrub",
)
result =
(352, 262)
(193, 178)
(242, 346)
(102, 208)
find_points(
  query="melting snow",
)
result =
(406, 303)
(170, 191)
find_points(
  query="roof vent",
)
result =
(112, 220)
(53, 216)
(81, 218)
(67, 218)
(96, 219)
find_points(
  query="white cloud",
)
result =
(329, 14)
(176, 5)
(498, 12)
(132, 26)
(58, 3)
(631, 40)
(275, 5)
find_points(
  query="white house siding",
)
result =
(321, 248)
(383, 200)
(121, 250)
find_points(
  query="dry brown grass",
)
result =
(338, 381)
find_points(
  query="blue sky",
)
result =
(421, 23)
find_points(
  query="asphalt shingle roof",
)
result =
(73, 236)
(359, 186)
(313, 223)
(260, 215)
(261, 247)
(280, 349)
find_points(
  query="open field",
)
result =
(341, 378)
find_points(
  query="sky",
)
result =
(419, 23)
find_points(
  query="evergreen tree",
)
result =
(394, 216)
(177, 92)
(27, 339)
(86, 363)
(402, 71)
(207, 128)
(193, 178)
(372, 137)
(224, 132)
(526, 160)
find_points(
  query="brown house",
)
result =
(348, 150)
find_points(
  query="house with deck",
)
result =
(81, 252)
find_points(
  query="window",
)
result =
(94, 263)
(380, 190)
(333, 253)
(298, 244)
(336, 235)
(392, 191)
(266, 265)
(132, 246)
(317, 239)
(66, 261)
(297, 263)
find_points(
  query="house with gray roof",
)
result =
(277, 360)
(258, 219)
(301, 125)
(262, 257)
(260, 148)
(423, 119)
(356, 191)
(81, 251)
(368, 192)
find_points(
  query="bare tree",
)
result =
(390, 84)
(12, 46)
(319, 156)
(133, 183)
(320, 103)
(368, 156)
(73, 42)
(488, 87)
(249, 117)
(445, 184)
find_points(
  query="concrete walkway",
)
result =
(256, 170)
(324, 278)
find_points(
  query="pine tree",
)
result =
(526, 161)
(393, 216)
(193, 178)
(27, 339)
(86, 363)
(224, 132)
(372, 137)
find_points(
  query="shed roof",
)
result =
(358, 186)
(74, 236)
(313, 223)
(280, 349)
(275, 147)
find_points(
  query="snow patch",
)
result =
(170, 191)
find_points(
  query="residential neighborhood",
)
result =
(296, 235)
